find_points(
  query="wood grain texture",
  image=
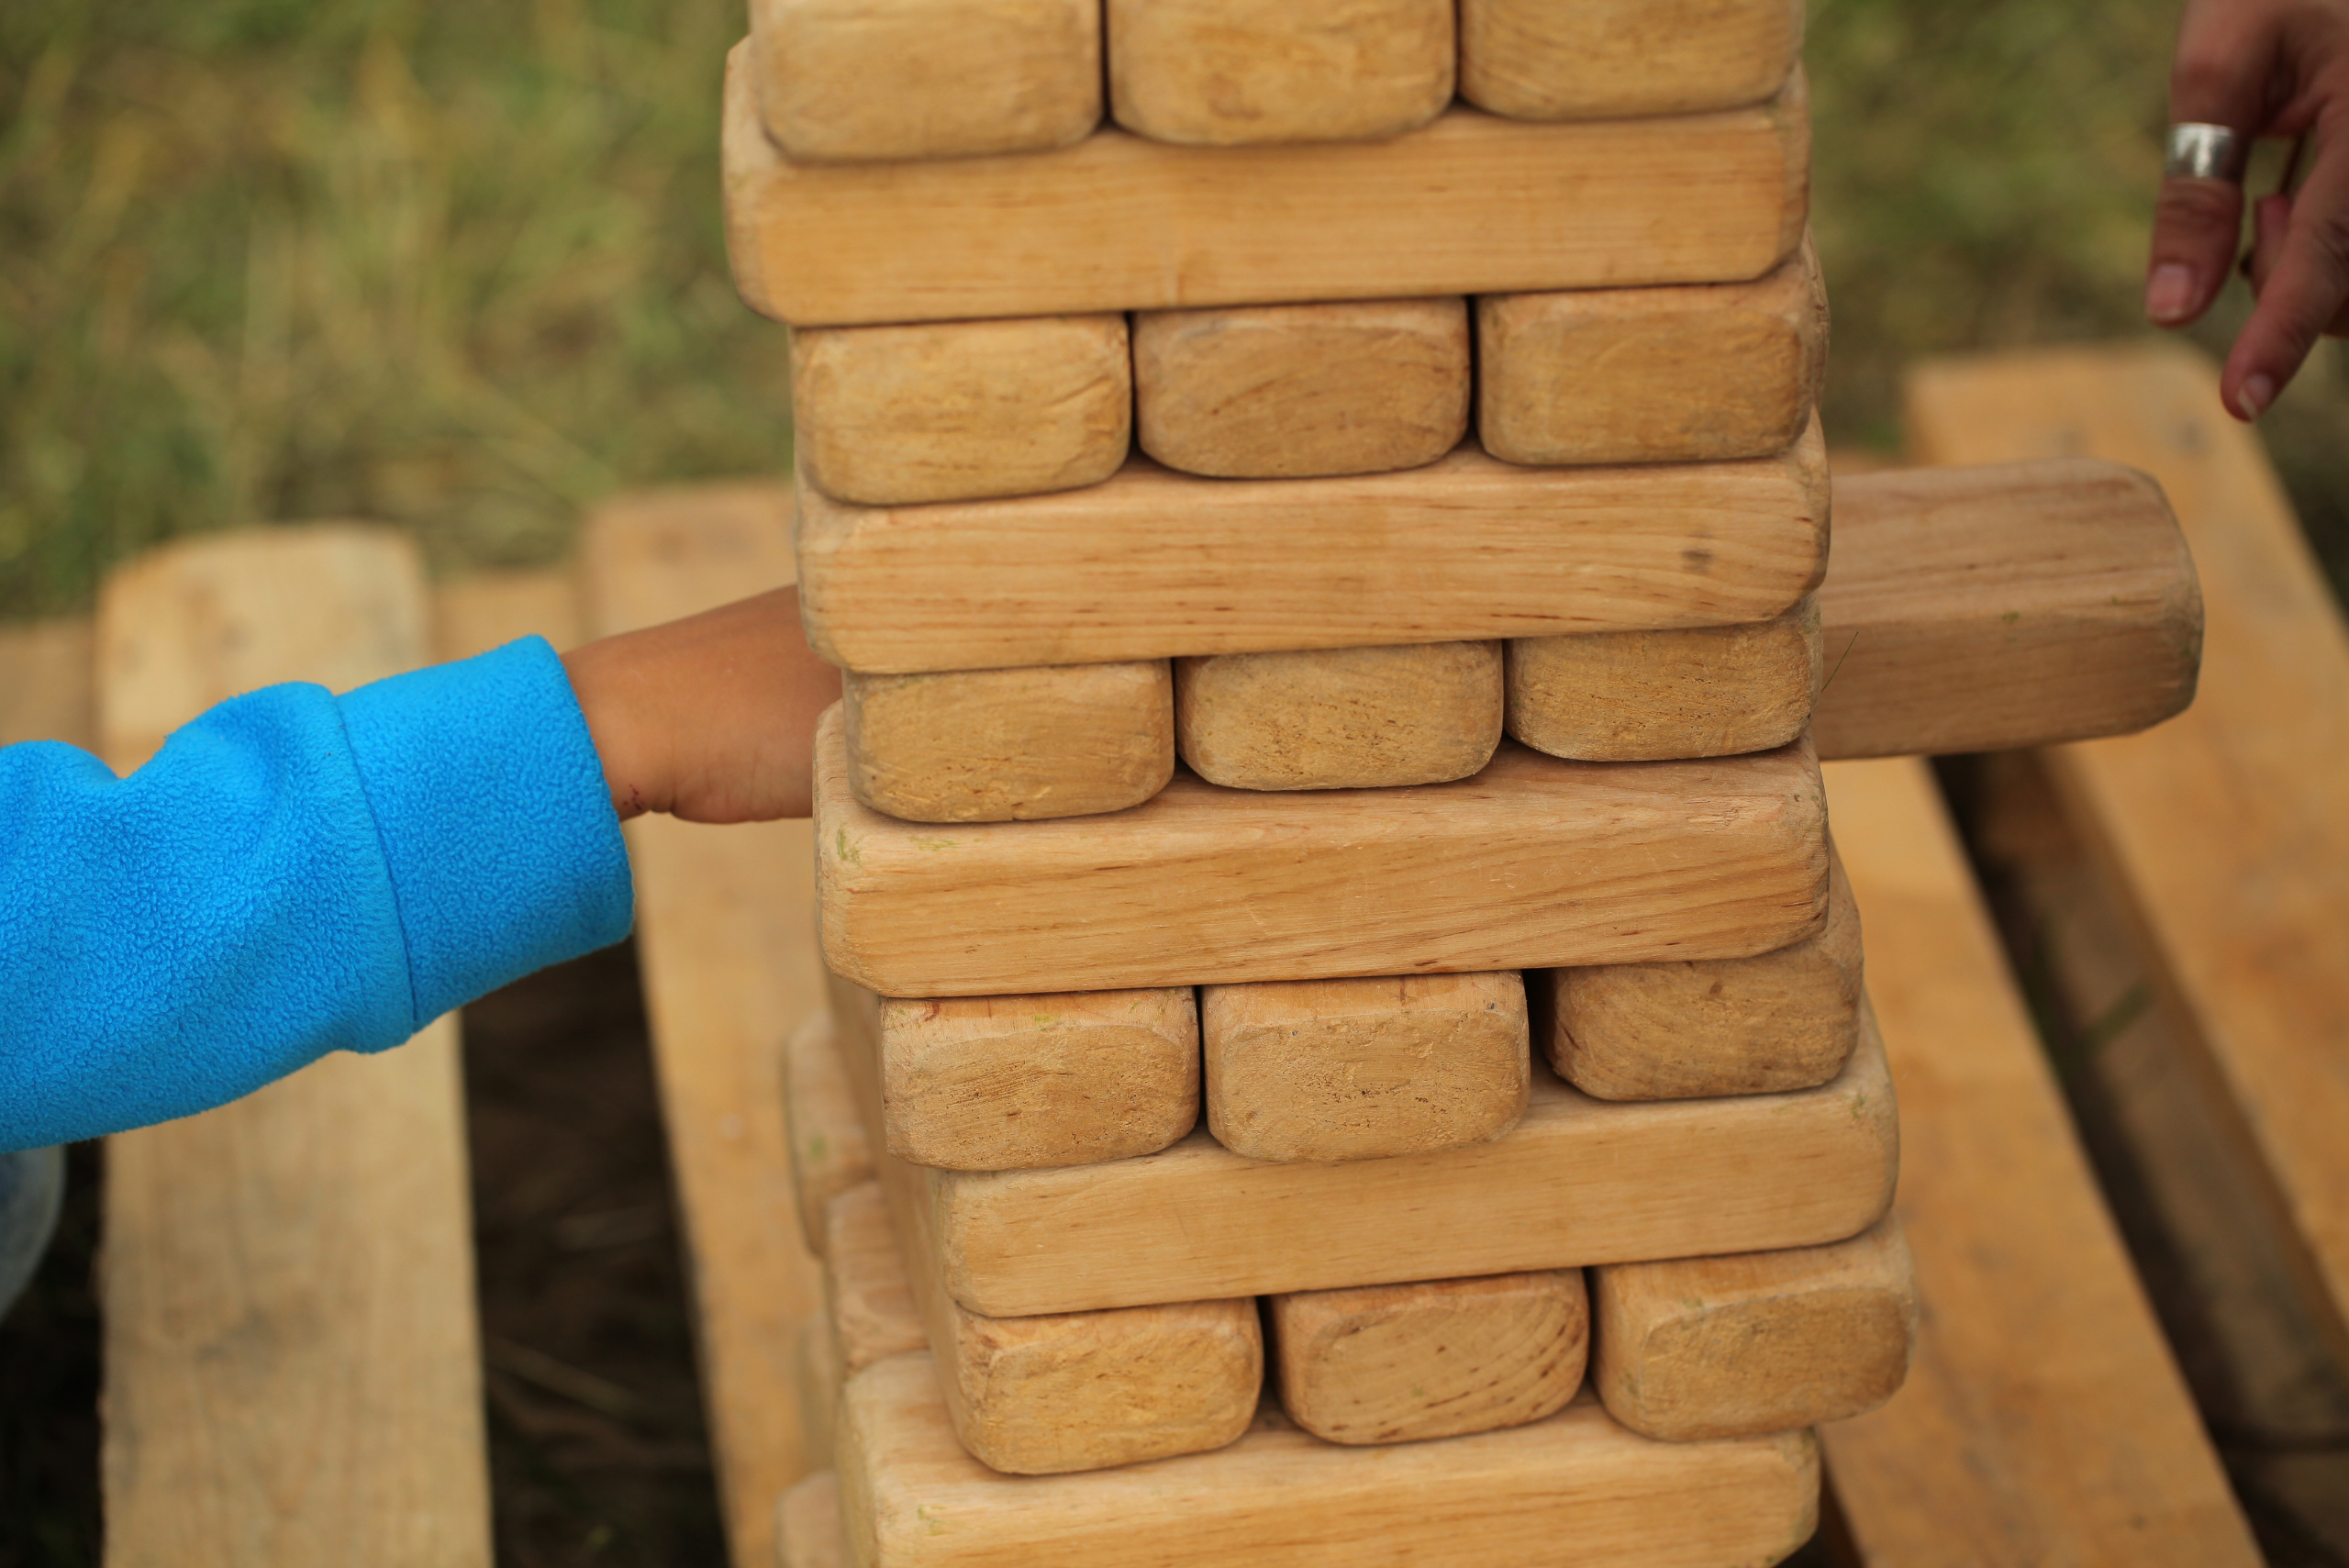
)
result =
(854, 81)
(828, 1153)
(1468, 205)
(1576, 1182)
(1537, 60)
(1403, 1362)
(1155, 563)
(1339, 718)
(1010, 1083)
(2043, 1420)
(1702, 372)
(50, 692)
(1777, 1021)
(1010, 745)
(1575, 1489)
(1986, 609)
(869, 1303)
(725, 937)
(293, 1366)
(1363, 1069)
(1733, 1347)
(807, 1525)
(1636, 697)
(1533, 863)
(1229, 74)
(961, 410)
(1302, 390)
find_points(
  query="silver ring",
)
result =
(2205, 153)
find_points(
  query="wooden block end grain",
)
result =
(829, 1151)
(1331, 1069)
(1403, 1362)
(1339, 718)
(1731, 1347)
(1600, 59)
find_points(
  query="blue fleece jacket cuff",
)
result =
(504, 853)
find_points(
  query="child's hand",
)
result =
(711, 718)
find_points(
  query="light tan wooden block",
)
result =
(1698, 373)
(1758, 1342)
(868, 1299)
(1538, 59)
(1575, 1489)
(1302, 390)
(1468, 205)
(1229, 73)
(1363, 1069)
(1339, 718)
(1636, 697)
(1764, 1025)
(1009, 1082)
(1010, 745)
(1533, 863)
(807, 1525)
(1576, 1182)
(1155, 563)
(850, 81)
(815, 1383)
(828, 1153)
(961, 410)
(1400, 1362)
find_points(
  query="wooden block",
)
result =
(1007, 1083)
(961, 410)
(807, 1525)
(1302, 390)
(1010, 745)
(1363, 1069)
(815, 1383)
(1400, 1362)
(1339, 718)
(1533, 863)
(1154, 564)
(868, 1299)
(845, 81)
(1636, 697)
(1779, 1021)
(48, 695)
(1575, 1489)
(1226, 72)
(1468, 205)
(483, 610)
(1696, 374)
(1989, 608)
(828, 1153)
(1757, 1342)
(1537, 60)
(1576, 1182)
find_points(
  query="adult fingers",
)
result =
(2305, 289)
(2226, 50)
(2271, 220)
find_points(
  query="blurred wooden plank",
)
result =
(293, 1368)
(2043, 1420)
(726, 933)
(46, 674)
(489, 609)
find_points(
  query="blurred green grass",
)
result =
(460, 266)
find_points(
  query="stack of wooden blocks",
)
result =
(1319, 763)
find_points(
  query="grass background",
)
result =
(460, 266)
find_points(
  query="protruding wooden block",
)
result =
(854, 81)
(816, 1363)
(1759, 1343)
(1575, 1491)
(1229, 73)
(1468, 205)
(1533, 863)
(1339, 718)
(961, 410)
(1538, 59)
(1014, 1083)
(1704, 372)
(868, 1299)
(828, 1153)
(1010, 745)
(1302, 390)
(807, 1525)
(1636, 697)
(1392, 1363)
(1764, 1025)
(1363, 1069)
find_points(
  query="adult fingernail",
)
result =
(2169, 293)
(2258, 392)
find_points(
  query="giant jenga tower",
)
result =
(1324, 557)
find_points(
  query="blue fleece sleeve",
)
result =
(292, 873)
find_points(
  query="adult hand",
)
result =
(2263, 68)
(711, 718)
